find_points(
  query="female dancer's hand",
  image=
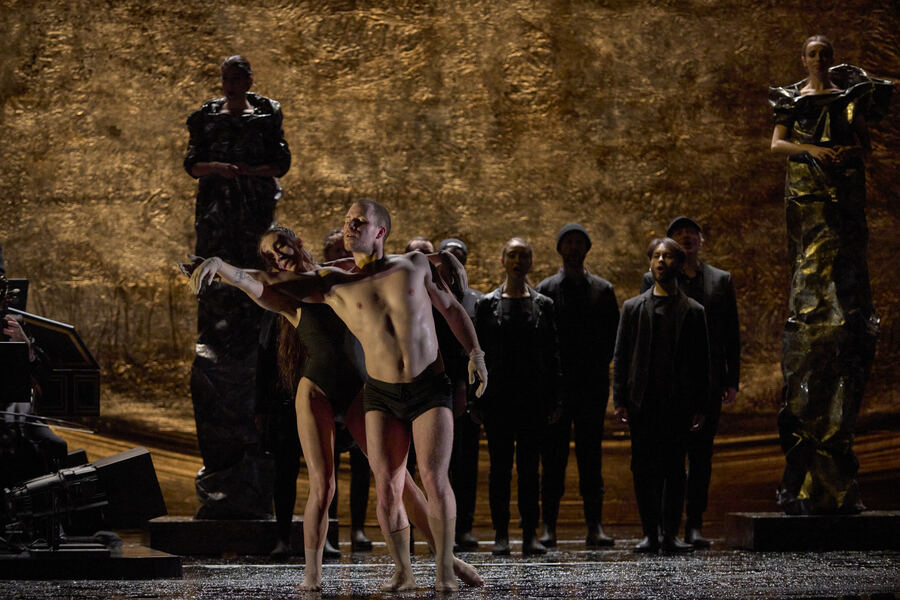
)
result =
(845, 153)
(822, 154)
(205, 273)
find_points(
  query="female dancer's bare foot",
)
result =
(466, 573)
(312, 572)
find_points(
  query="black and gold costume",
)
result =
(829, 337)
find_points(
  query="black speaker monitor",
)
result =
(72, 386)
(15, 384)
(131, 486)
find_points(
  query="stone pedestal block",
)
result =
(870, 530)
(200, 537)
(83, 562)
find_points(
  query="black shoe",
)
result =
(501, 546)
(693, 537)
(596, 538)
(674, 545)
(359, 542)
(549, 537)
(330, 551)
(647, 545)
(282, 551)
(465, 542)
(531, 545)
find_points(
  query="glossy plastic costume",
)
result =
(829, 337)
(231, 215)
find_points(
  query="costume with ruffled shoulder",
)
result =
(829, 336)
(231, 216)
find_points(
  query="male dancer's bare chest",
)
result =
(389, 298)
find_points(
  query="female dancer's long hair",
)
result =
(291, 352)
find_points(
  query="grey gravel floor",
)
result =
(570, 571)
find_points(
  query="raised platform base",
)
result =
(870, 530)
(198, 537)
(135, 562)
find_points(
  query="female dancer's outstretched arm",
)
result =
(256, 284)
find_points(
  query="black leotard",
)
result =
(334, 356)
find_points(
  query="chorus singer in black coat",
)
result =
(714, 289)
(660, 389)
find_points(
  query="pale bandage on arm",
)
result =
(478, 368)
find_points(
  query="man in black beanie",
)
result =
(587, 317)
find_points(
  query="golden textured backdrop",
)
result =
(479, 120)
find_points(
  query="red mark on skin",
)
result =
(359, 305)
(411, 292)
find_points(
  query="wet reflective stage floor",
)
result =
(566, 572)
(746, 470)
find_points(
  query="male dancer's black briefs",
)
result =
(407, 401)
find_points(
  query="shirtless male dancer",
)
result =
(386, 303)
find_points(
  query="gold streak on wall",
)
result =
(479, 120)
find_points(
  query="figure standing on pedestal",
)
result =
(829, 337)
(236, 150)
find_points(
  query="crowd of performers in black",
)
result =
(674, 349)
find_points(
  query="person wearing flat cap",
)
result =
(587, 317)
(713, 288)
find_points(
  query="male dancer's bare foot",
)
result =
(446, 585)
(466, 573)
(310, 586)
(403, 578)
(399, 582)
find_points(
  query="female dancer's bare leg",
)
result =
(315, 427)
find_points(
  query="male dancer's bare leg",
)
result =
(388, 461)
(413, 498)
(433, 437)
(315, 427)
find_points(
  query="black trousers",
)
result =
(464, 470)
(586, 412)
(699, 455)
(284, 444)
(505, 441)
(658, 448)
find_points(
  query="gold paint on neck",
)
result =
(365, 260)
